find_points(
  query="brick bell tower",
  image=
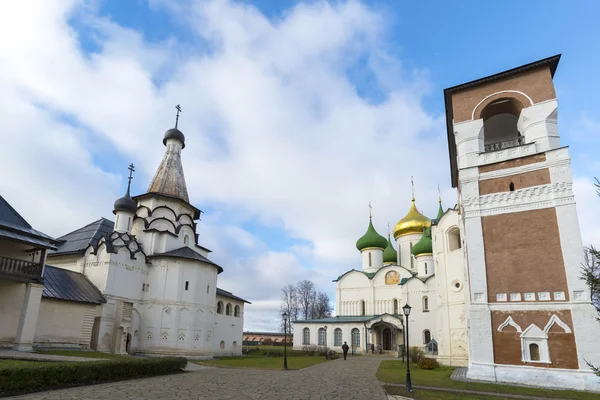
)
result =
(530, 317)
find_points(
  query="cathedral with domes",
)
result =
(398, 271)
(494, 283)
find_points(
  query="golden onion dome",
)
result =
(413, 222)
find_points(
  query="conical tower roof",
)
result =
(169, 178)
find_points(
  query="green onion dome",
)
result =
(389, 254)
(423, 246)
(371, 239)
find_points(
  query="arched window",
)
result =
(511, 187)
(500, 119)
(228, 309)
(454, 239)
(395, 306)
(411, 257)
(186, 240)
(236, 311)
(220, 307)
(426, 336)
(355, 337)
(337, 337)
(363, 308)
(322, 337)
(425, 303)
(234, 345)
(432, 348)
(425, 268)
(370, 259)
(305, 336)
(222, 344)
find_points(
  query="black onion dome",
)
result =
(174, 133)
(125, 203)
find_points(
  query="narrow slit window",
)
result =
(187, 285)
(511, 187)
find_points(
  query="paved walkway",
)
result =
(21, 355)
(334, 380)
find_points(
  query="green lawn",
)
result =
(394, 372)
(271, 351)
(84, 353)
(296, 362)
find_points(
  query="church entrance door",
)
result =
(387, 339)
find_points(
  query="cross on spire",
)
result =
(178, 108)
(412, 183)
(370, 210)
(439, 194)
(131, 168)
(388, 229)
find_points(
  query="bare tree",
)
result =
(322, 306)
(306, 294)
(289, 304)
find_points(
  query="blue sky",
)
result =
(296, 114)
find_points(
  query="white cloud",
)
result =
(276, 130)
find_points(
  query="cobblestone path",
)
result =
(334, 380)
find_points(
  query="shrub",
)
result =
(428, 363)
(23, 379)
(333, 355)
(310, 349)
(415, 354)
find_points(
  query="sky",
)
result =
(297, 114)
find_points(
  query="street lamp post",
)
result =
(406, 310)
(285, 318)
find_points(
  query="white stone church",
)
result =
(494, 282)
(142, 284)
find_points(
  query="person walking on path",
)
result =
(380, 348)
(345, 349)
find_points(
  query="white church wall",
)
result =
(421, 318)
(227, 340)
(355, 287)
(346, 329)
(72, 262)
(64, 324)
(175, 320)
(403, 245)
(451, 332)
(386, 289)
(95, 267)
(12, 295)
(372, 259)
(126, 275)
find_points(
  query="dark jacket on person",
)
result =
(345, 348)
